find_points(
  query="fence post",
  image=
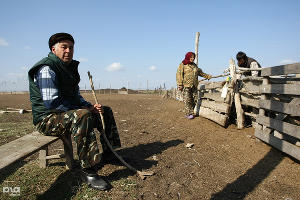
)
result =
(240, 118)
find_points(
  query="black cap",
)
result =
(57, 37)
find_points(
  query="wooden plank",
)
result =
(214, 85)
(284, 80)
(246, 100)
(240, 117)
(278, 106)
(281, 70)
(263, 96)
(196, 47)
(280, 89)
(42, 157)
(287, 128)
(23, 147)
(252, 78)
(199, 102)
(251, 114)
(249, 69)
(216, 106)
(216, 96)
(281, 97)
(239, 111)
(214, 116)
(251, 88)
(57, 156)
(282, 145)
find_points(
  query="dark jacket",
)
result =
(68, 79)
(247, 65)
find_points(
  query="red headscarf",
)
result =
(187, 58)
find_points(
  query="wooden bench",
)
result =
(30, 144)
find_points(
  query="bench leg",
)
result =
(68, 148)
(42, 157)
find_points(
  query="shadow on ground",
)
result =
(10, 169)
(68, 183)
(251, 179)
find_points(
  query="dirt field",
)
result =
(222, 164)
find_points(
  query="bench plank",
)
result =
(23, 147)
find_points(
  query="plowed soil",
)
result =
(223, 163)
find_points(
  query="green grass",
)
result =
(53, 182)
(14, 130)
(14, 125)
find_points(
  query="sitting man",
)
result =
(59, 109)
(247, 62)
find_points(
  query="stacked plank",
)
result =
(279, 113)
(250, 95)
(211, 104)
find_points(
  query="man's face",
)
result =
(192, 58)
(241, 62)
(64, 50)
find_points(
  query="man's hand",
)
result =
(96, 108)
(180, 87)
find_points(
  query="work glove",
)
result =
(207, 76)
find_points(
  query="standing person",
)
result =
(247, 62)
(59, 109)
(187, 81)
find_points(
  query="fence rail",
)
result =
(271, 102)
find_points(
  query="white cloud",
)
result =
(27, 48)
(115, 67)
(152, 68)
(82, 59)
(287, 61)
(139, 76)
(3, 42)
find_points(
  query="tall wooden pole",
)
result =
(196, 47)
(196, 110)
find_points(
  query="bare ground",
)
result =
(222, 164)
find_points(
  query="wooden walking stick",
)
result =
(141, 174)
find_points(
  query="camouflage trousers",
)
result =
(190, 99)
(81, 123)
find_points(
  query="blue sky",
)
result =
(135, 41)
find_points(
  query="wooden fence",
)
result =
(270, 102)
(279, 109)
(212, 105)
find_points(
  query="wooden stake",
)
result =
(240, 118)
(141, 174)
(196, 47)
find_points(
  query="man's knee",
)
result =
(83, 113)
(107, 109)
